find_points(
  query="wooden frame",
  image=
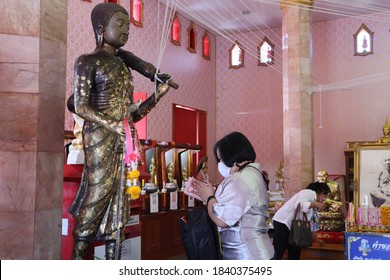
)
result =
(137, 22)
(191, 33)
(176, 29)
(241, 56)
(206, 46)
(150, 158)
(371, 161)
(269, 53)
(369, 42)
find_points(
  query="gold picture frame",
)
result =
(372, 187)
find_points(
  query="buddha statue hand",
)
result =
(162, 89)
(162, 77)
(333, 206)
(134, 107)
(116, 126)
(165, 79)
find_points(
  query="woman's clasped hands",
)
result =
(199, 189)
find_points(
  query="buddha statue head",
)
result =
(322, 176)
(386, 129)
(101, 16)
(386, 133)
(170, 170)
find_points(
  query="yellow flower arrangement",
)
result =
(133, 174)
(134, 192)
(385, 215)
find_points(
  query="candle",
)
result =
(351, 212)
(377, 217)
(368, 217)
(360, 216)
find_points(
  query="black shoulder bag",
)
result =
(300, 232)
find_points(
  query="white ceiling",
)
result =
(221, 16)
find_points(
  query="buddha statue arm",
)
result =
(137, 64)
(144, 68)
(145, 107)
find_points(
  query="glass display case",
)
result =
(166, 162)
(167, 166)
(149, 165)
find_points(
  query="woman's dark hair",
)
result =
(319, 187)
(234, 148)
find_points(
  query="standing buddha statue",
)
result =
(279, 175)
(170, 168)
(152, 171)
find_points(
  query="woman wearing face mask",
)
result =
(311, 199)
(239, 206)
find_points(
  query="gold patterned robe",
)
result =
(103, 89)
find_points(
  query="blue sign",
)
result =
(366, 246)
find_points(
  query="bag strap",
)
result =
(262, 174)
(296, 215)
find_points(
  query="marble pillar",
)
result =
(33, 38)
(297, 101)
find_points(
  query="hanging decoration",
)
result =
(132, 158)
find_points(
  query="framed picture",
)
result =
(372, 176)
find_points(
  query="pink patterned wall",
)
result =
(356, 113)
(250, 99)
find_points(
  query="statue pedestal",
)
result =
(131, 247)
(72, 178)
(75, 156)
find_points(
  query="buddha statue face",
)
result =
(387, 162)
(117, 31)
(170, 167)
(322, 176)
(386, 131)
(111, 24)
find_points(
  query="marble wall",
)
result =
(32, 86)
(297, 103)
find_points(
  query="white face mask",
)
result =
(223, 169)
